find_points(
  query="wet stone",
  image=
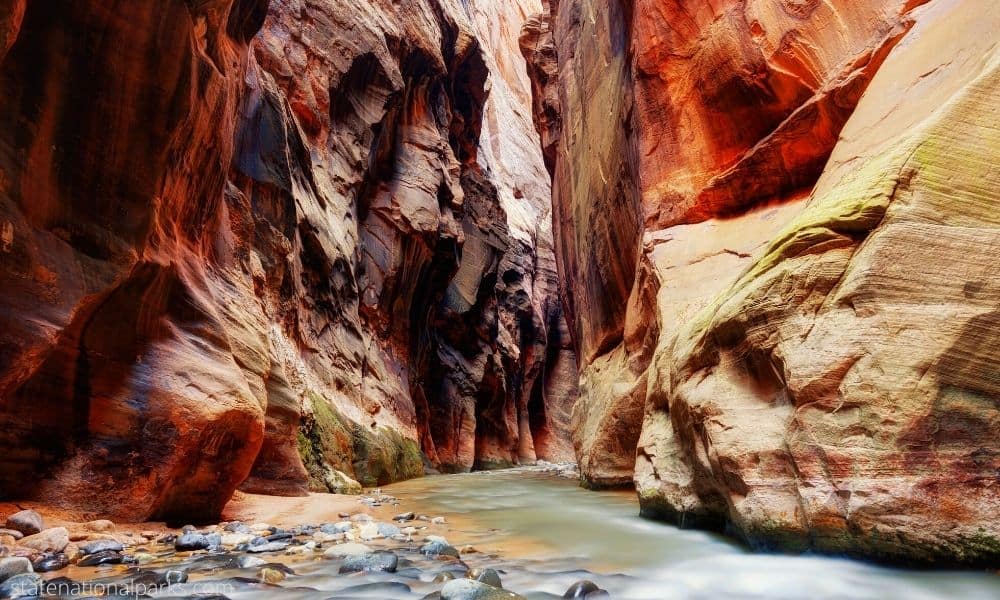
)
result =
(444, 576)
(9, 567)
(47, 563)
(439, 548)
(348, 549)
(468, 589)
(487, 576)
(267, 547)
(272, 576)
(249, 562)
(192, 541)
(237, 527)
(373, 562)
(25, 585)
(101, 546)
(585, 590)
(107, 557)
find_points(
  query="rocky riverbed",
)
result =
(532, 530)
(353, 554)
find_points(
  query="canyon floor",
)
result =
(527, 532)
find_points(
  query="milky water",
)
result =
(562, 533)
(543, 533)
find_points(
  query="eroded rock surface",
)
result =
(274, 245)
(801, 320)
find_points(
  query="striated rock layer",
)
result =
(274, 245)
(790, 301)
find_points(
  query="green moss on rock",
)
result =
(337, 451)
(385, 456)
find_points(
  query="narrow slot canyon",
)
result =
(600, 297)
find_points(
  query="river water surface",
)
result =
(542, 533)
(557, 530)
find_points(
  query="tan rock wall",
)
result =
(807, 325)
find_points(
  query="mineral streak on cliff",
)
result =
(270, 244)
(777, 231)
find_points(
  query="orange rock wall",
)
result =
(267, 246)
(773, 349)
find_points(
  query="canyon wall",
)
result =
(776, 224)
(282, 245)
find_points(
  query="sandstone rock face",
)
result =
(275, 245)
(809, 335)
(583, 106)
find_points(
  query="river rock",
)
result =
(438, 548)
(487, 576)
(237, 527)
(348, 549)
(341, 527)
(250, 562)
(101, 546)
(51, 540)
(100, 526)
(50, 562)
(267, 547)
(407, 516)
(369, 531)
(322, 537)
(12, 533)
(585, 589)
(388, 530)
(236, 539)
(25, 585)
(306, 548)
(372, 562)
(190, 542)
(12, 566)
(104, 557)
(27, 522)
(272, 576)
(469, 589)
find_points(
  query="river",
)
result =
(559, 530)
(542, 533)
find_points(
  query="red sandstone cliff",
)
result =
(267, 244)
(777, 231)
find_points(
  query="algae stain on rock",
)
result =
(342, 456)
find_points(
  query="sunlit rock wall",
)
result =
(273, 245)
(809, 312)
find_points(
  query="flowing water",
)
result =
(543, 533)
(556, 530)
